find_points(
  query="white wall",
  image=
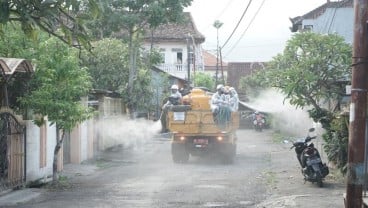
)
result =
(33, 170)
(170, 56)
(84, 141)
(340, 21)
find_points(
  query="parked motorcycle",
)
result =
(310, 161)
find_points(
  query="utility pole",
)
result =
(217, 24)
(222, 69)
(188, 59)
(358, 107)
(194, 57)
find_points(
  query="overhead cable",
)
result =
(236, 27)
(220, 14)
(246, 29)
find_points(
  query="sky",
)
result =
(260, 35)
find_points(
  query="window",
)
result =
(308, 27)
(179, 57)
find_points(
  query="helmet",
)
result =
(219, 87)
(174, 87)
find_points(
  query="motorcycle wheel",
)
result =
(319, 179)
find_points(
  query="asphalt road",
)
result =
(264, 174)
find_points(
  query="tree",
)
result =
(310, 67)
(57, 87)
(204, 80)
(108, 64)
(133, 17)
(50, 16)
(109, 68)
(308, 72)
(16, 45)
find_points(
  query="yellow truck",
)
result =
(195, 131)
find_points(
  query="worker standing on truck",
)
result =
(220, 106)
(217, 99)
(234, 100)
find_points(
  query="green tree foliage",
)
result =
(204, 80)
(142, 94)
(308, 72)
(15, 44)
(108, 64)
(129, 18)
(337, 139)
(133, 16)
(57, 87)
(251, 86)
(61, 18)
(109, 67)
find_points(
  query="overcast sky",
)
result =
(257, 40)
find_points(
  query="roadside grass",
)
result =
(63, 183)
(103, 164)
(278, 137)
(336, 175)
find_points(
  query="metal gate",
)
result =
(12, 152)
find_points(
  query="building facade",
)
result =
(179, 45)
(331, 17)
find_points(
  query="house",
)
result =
(179, 45)
(331, 17)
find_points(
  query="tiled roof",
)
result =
(211, 60)
(320, 10)
(177, 31)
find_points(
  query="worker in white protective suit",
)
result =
(217, 99)
(234, 100)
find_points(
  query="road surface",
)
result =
(265, 173)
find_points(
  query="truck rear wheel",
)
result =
(179, 153)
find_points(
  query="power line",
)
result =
(219, 14)
(246, 29)
(237, 25)
(334, 15)
(225, 8)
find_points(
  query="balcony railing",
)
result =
(180, 70)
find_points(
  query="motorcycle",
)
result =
(310, 161)
(258, 123)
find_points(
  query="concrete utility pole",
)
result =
(188, 59)
(217, 24)
(358, 107)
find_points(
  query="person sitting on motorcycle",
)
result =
(258, 118)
